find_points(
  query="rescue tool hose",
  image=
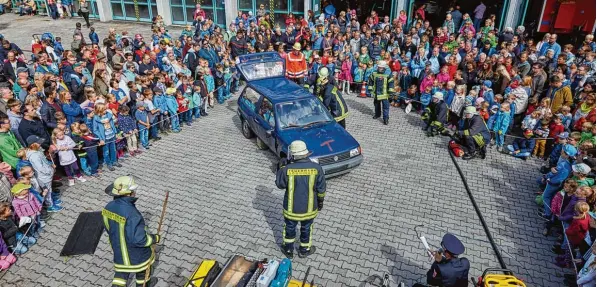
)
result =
(147, 271)
(494, 246)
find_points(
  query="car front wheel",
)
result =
(246, 129)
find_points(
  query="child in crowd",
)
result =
(172, 108)
(127, 126)
(183, 108)
(80, 152)
(530, 121)
(143, 125)
(17, 241)
(90, 145)
(566, 117)
(65, 145)
(501, 124)
(345, 75)
(27, 209)
(44, 171)
(542, 132)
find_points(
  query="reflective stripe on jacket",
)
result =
(128, 236)
(305, 185)
(381, 85)
(296, 66)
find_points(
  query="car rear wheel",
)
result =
(260, 144)
(246, 130)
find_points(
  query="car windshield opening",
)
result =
(301, 113)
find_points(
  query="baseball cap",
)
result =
(34, 139)
(17, 188)
(570, 150)
(581, 168)
(563, 135)
(157, 90)
(140, 104)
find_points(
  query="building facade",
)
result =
(509, 13)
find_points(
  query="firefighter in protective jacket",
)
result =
(296, 65)
(474, 135)
(381, 85)
(305, 185)
(128, 236)
(436, 116)
(332, 99)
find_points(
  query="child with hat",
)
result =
(555, 152)
(580, 172)
(27, 207)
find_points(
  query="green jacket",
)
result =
(9, 145)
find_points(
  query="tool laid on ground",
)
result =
(241, 271)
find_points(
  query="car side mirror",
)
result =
(269, 132)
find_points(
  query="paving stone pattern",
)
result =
(223, 201)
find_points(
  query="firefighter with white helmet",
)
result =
(474, 134)
(381, 85)
(304, 182)
(128, 236)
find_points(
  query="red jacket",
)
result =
(555, 130)
(577, 231)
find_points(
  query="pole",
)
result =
(159, 229)
(524, 12)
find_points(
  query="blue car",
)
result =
(278, 111)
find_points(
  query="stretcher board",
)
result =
(85, 235)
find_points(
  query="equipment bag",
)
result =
(205, 274)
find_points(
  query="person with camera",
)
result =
(448, 270)
(304, 182)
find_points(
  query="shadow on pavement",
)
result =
(271, 207)
(363, 108)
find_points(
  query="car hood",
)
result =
(326, 139)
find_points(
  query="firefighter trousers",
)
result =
(290, 234)
(121, 278)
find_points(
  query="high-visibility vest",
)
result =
(296, 65)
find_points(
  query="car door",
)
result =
(265, 121)
(247, 105)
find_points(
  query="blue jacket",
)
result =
(72, 111)
(524, 145)
(94, 38)
(425, 99)
(159, 101)
(98, 126)
(301, 198)
(564, 168)
(449, 97)
(554, 156)
(171, 104)
(501, 122)
(128, 236)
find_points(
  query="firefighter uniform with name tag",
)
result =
(128, 235)
(381, 86)
(304, 182)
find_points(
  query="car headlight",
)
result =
(355, 151)
(314, 159)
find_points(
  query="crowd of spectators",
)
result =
(85, 106)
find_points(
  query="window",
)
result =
(127, 9)
(184, 10)
(281, 8)
(266, 111)
(250, 98)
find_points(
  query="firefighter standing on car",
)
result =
(304, 182)
(296, 65)
(332, 99)
(381, 85)
(128, 236)
(448, 270)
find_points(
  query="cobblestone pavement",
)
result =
(223, 201)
